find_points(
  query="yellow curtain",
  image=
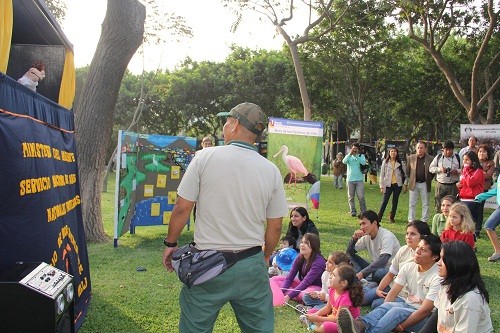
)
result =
(6, 14)
(67, 90)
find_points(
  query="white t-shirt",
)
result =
(384, 242)
(235, 190)
(468, 314)
(420, 285)
(405, 254)
(324, 284)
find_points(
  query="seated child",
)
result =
(439, 220)
(286, 243)
(459, 225)
(318, 299)
(345, 292)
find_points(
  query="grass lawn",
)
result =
(127, 301)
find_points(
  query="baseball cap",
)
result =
(448, 144)
(249, 115)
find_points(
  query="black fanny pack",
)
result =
(195, 266)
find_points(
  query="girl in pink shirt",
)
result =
(345, 292)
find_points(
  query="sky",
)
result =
(209, 20)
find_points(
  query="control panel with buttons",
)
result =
(47, 280)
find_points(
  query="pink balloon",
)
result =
(278, 297)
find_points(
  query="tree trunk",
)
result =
(299, 72)
(361, 116)
(472, 106)
(122, 33)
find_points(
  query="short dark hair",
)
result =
(356, 144)
(422, 142)
(341, 257)
(434, 243)
(291, 241)
(422, 227)
(370, 215)
(450, 198)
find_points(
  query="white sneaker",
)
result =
(494, 257)
(302, 308)
(303, 320)
(273, 271)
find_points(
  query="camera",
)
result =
(448, 172)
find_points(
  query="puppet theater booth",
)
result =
(29, 32)
(40, 205)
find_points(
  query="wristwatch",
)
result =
(168, 244)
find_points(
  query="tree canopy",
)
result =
(391, 69)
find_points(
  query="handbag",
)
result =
(194, 267)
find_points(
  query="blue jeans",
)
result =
(356, 188)
(337, 181)
(379, 301)
(314, 302)
(359, 263)
(475, 209)
(386, 317)
(493, 221)
(370, 295)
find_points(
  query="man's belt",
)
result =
(240, 255)
(447, 184)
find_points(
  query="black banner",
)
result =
(40, 204)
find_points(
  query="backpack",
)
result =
(403, 175)
(364, 168)
(440, 156)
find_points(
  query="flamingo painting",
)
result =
(293, 164)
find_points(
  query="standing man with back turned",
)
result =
(419, 181)
(236, 191)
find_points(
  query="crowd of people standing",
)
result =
(466, 176)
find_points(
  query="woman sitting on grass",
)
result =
(462, 302)
(305, 275)
(300, 224)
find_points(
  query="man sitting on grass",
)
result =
(422, 283)
(381, 244)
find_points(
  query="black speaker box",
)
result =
(24, 309)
